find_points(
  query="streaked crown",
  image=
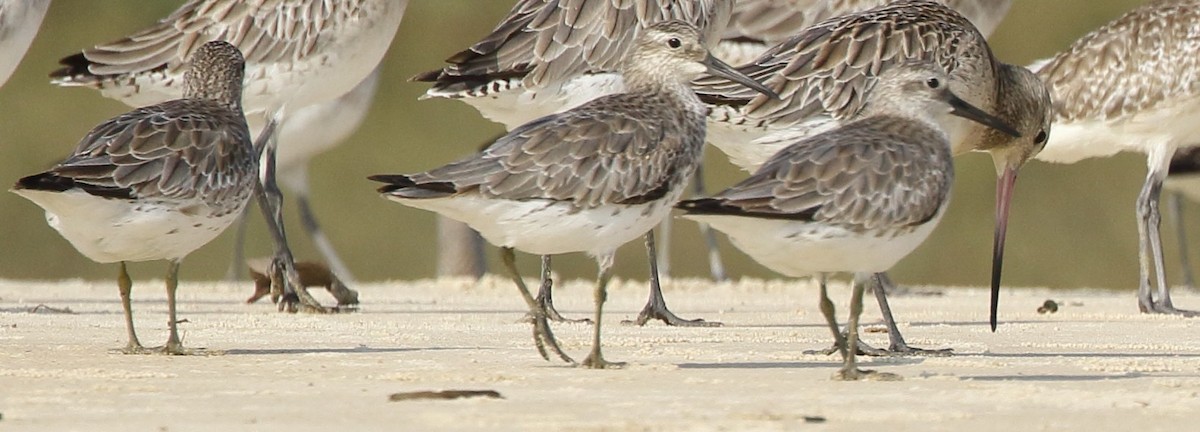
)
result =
(216, 74)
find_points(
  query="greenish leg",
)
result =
(174, 346)
(839, 343)
(595, 360)
(542, 336)
(849, 371)
(125, 284)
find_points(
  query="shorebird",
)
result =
(548, 56)
(857, 198)
(306, 133)
(299, 53)
(756, 25)
(1183, 181)
(19, 23)
(589, 179)
(1130, 86)
(821, 73)
(157, 182)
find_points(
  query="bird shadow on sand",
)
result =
(1087, 355)
(354, 350)
(834, 362)
(1052, 377)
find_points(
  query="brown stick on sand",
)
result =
(312, 274)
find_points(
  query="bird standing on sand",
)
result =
(589, 179)
(854, 199)
(1131, 85)
(821, 75)
(158, 182)
(299, 53)
(548, 56)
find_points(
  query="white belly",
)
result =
(799, 249)
(110, 230)
(1166, 127)
(544, 227)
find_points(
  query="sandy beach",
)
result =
(1095, 363)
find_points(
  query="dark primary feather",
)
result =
(622, 149)
(547, 41)
(828, 67)
(874, 174)
(265, 31)
(175, 150)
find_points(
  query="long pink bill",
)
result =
(1004, 190)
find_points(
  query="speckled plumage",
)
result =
(856, 198)
(757, 25)
(589, 179)
(1132, 85)
(821, 73)
(158, 182)
(565, 51)
(298, 52)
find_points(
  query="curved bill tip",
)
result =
(1004, 189)
(724, 70)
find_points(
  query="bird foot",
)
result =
(596, 361)
(552, 314)
(1159, 308)
(901, 350)
(131, 349)
(658, 311)
(544, 339)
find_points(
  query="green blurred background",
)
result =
(1071, 226)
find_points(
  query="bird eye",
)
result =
(933, 83)
(1040, 138)
(674, 42)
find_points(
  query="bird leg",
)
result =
(1150, 242)
(850, 371)
(174, 345)
(656, 306)
(270, 201)
(896, 344)
(125, 285)
(546, 299)
(826, 305)
(595, 360)
(897, 347)
(542, 336)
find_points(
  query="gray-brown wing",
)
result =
(772, 20)
(776, 20)
(1132, 64)
(549, 41)
(826, 70)
(265, 31)
(589, 156)
(879, 176)
(179, 149)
